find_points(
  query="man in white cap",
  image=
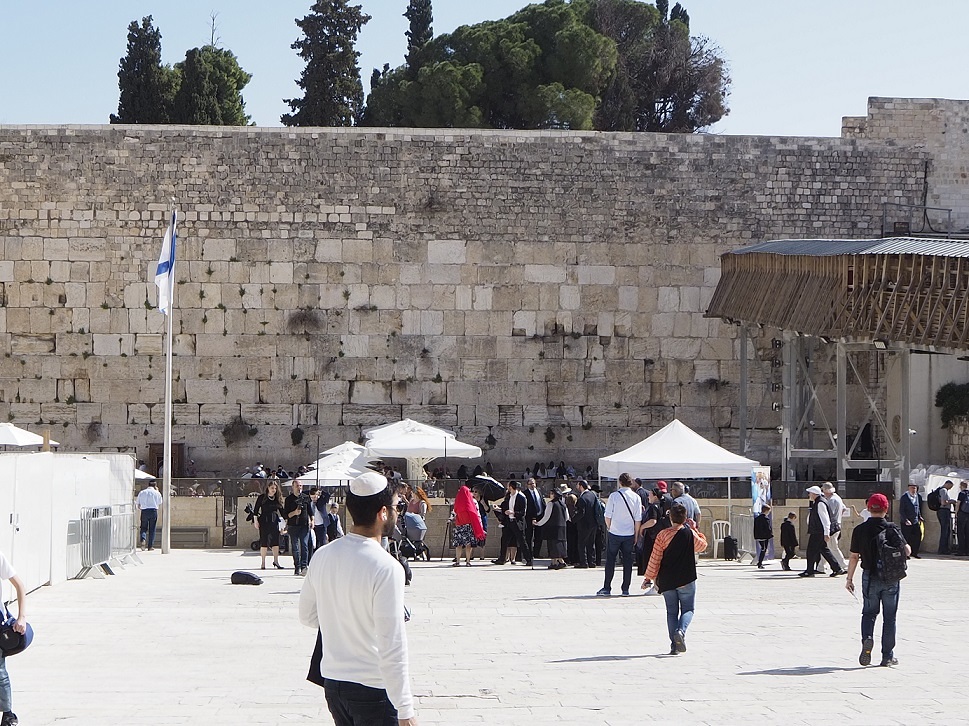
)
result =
(819, 532)
(354, 595)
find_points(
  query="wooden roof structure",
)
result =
(912, 291)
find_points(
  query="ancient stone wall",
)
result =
(542, 293)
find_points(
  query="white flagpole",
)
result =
(167, 455)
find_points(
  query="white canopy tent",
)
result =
(677, 452)
(418, 443)
(11, 435)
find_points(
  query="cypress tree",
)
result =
(420, 15)
(146, 86)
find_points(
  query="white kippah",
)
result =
(368, 484)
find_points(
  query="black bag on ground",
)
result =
(729, 548)
(241, 577)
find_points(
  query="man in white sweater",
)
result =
(354, 595)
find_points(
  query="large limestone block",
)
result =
(31, 344)
(86, 248)
(277, 392)
(205, 391)
(210, 414)
(596, 274)
(445, 417)
(370, 415)
(331, 415)
(369, 392)
(268, 414)
(545, 273)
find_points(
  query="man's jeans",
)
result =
(149, 518)
(6, 702)
(945, 530)
(299, 542)
(883, 595)
(616, 544)
(352, 704)
(679, 608)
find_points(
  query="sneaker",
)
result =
(890, 661)
(866, 646)
(673, 651)
(10, 718)
(625, 593)
(604, 593)
(679, 640)
(806, 573)
(151, 549)
(838, 572)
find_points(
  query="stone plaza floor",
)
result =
(172, 642)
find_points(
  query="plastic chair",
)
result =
(721, 528)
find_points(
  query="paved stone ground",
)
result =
(172, 642)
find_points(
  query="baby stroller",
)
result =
(409, 533)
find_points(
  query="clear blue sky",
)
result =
(797, 66)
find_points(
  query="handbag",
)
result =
(12, 642)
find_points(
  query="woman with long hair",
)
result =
(266, 515)
(419, 504)
(467, 526)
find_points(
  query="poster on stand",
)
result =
(759, 487)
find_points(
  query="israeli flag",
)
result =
(165, 274)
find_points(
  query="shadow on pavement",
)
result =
(607, 658)
(800, 671)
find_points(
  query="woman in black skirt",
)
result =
(553, 526)
(267, 514)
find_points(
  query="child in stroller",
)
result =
(409, 532)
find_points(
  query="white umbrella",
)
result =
(344, 448)
(139, 474)
(11, 435)
(417, 443)
(356, 465)
(330, 477)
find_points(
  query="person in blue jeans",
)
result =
(298, 510)
(878, 594)
(624, 516)
(148, 501)
(672, 566)
(9, 718)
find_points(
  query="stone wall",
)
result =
(542, 293)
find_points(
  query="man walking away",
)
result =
(911, 510)
(354, 595)
(624, 515)
(962, 519)
(945, 518)
(882, 549)
(149, 499)
(788, 540)
(672, 566)
(586, 525)
(763, 533)
(819, 527)
(836, 511)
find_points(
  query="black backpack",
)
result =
(892, 560)
(241, 577)
(934, 500)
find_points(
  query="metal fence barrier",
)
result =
(122, 532)
(96, 526)
(742, 527)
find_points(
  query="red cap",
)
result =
(879, 502)
(661, 485)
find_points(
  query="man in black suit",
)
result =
(511, 514)
(534, 510)
(910, 511)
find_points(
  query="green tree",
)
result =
(146, 86)
(332, 91)
(419, 34)
(210, 89)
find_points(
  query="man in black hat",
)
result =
(511, 514)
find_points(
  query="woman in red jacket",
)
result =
(467, 526)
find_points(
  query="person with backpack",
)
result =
(882, 550)
(962, 519)
(910, 511)
(944, 513)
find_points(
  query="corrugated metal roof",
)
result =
(886, 246)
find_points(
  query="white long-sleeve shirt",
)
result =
(354, 593)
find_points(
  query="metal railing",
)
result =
(96, 531)
(122, 531)
(742, 527)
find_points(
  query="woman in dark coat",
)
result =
(266, 515)
(553, 526)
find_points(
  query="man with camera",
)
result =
(298, 509)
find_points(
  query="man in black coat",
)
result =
(586, 524)
(763, 533)
(911, 507)
(819, 531)
(534, 510)
(788, 540)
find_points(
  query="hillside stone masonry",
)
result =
(541, 290)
